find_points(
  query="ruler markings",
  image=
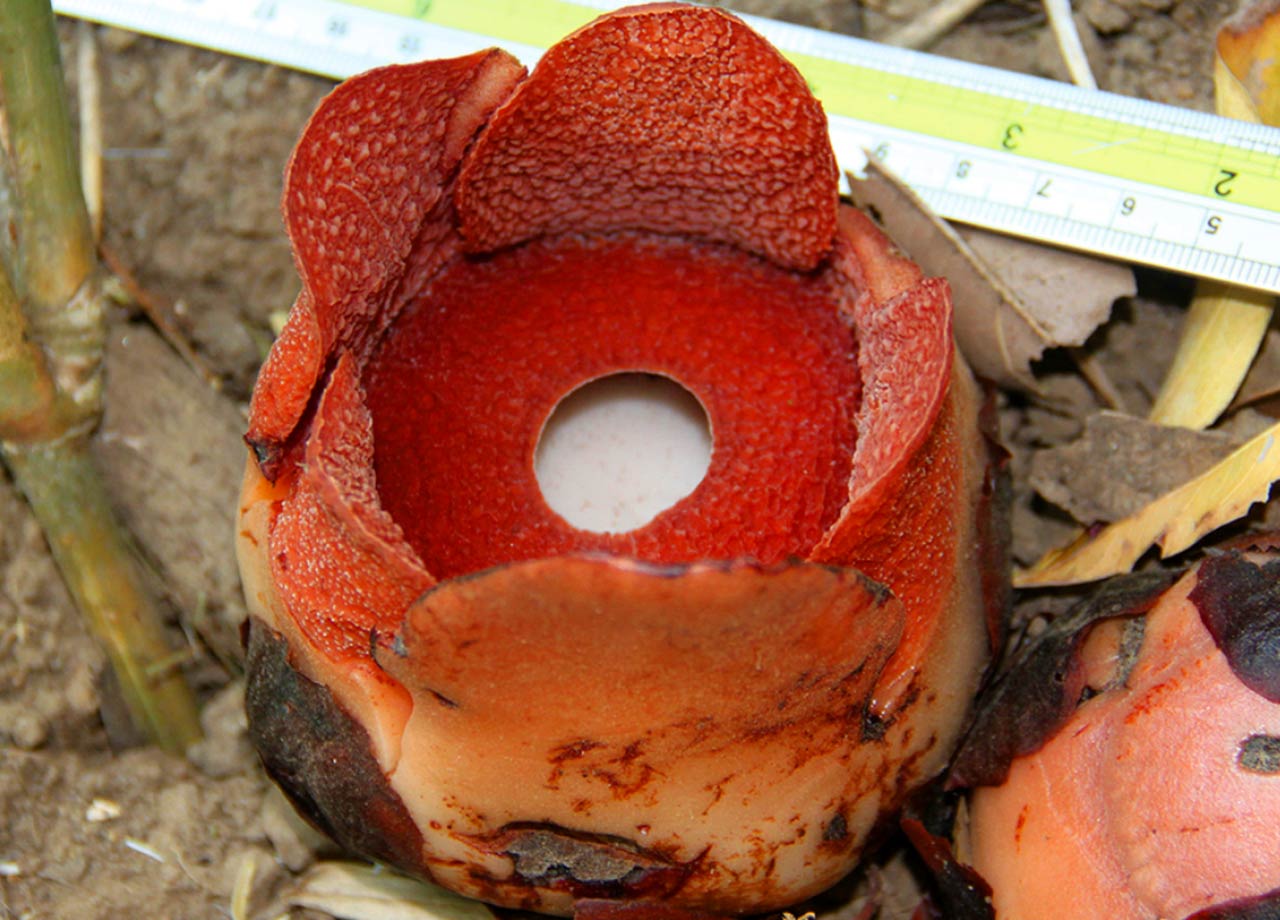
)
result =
(1130, 178)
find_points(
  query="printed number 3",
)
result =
(1011, 135)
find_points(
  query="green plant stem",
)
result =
(56, 255)
(68, 499)
(52, 328)
(28, 400)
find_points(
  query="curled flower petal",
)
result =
(658, 119)
(697, 697)
(366, 208)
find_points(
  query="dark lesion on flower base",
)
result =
(586, 865)
(1260, 754)
(836, 830)
(322, 758)
(1239, 602)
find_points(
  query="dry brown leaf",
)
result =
(1066, 294)
(1013, 299)
(1263, 379)
(1122, 463)
(1174, 521)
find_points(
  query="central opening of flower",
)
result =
(618, 451)
(465, 381)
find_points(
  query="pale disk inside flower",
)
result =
(618, 451)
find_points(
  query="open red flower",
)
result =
(717, 707)
(1159, 795)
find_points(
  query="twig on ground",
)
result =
(1097, 377)
(1063, 24)
(90, 124)
(159, 312)
(932, 24)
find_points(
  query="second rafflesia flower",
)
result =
(1149, 788)
(716, 708)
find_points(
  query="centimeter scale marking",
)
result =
(1125, 178)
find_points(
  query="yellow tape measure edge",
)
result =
(1040, 133)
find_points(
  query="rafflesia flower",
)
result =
(713, 709)
(1159, 796)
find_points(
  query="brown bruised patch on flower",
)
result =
(1143, 798)
(1041, 688)
(321, 757)
(586, 865)
(695, 690)
(1239, 602)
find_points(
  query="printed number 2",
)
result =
(1222, 188)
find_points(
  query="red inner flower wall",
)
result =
(468, 374)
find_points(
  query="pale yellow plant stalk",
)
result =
(52, 328)
(1221, 335)
(1225, 325)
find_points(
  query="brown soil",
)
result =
(195, 146)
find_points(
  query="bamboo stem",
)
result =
(55, 249)
(52, 328)
(68, 499)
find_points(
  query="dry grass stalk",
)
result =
(1067, 36)
(932, 24)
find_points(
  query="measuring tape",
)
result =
(1125, 178)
